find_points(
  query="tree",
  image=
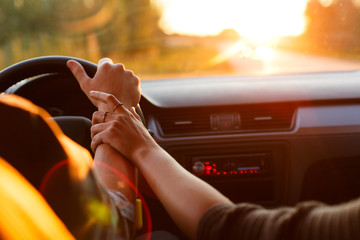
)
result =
(20, 17)
(334, 27)
(134, 29)
(83, 28)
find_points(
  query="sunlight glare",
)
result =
(356, 3)
(25, 214)
(326, 3)
(264, 53)
(258, 20)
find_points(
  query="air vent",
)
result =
(215, 120)
(184, 121)
(262, 118)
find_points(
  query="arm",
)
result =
(108, 163)
(113, 78)
(185, 197)
(191, 202)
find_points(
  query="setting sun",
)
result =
(259, 20)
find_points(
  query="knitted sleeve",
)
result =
(308, 220)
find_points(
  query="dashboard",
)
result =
(272, 140)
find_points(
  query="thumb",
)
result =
(78, 71)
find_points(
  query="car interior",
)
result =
(272, 140)
(269, 138)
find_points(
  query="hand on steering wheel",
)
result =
(110, 78)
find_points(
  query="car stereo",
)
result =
(239, 165)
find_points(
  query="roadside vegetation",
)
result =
(128, 32)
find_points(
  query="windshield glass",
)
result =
(161, 38)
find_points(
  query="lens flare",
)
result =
(259, 20)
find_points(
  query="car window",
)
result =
(161, 38)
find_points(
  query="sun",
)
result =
(263, 19)
(259, 20)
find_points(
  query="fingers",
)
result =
(78, 71)
(101, 117)
(104, 60)
(96, 141)
(100, 133)
(105, 133)
(107, 64)
(95, 129)
(108, 99)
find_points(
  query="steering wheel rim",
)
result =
(46, 65)
(41, 65)
(51, 65)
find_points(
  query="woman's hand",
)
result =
(121, 129)
(111, 78)
(187, 200)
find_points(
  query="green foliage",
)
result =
(128, 31)
(88, 29)
(20, 17)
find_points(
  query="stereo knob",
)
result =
(231, 166)
(198, 167)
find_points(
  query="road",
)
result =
(266, 60)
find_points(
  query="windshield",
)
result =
(161, 38)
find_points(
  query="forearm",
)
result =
(114, 171)
(185, 197)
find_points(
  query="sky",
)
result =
(256, 19)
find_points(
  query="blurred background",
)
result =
(162, 38)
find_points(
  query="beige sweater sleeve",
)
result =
(308, 220)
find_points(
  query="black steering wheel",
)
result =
(40, 66)
(48, 83)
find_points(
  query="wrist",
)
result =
(141, 155)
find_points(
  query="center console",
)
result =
(243, 172)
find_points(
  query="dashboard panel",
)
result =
(271, 140)
(299, 134)
(305, 132)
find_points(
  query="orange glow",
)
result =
(24, 213)
(326, 3)
(80, 158)
(242, 49)
(259, 20)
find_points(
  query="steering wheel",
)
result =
(40, 66)
(48, 82)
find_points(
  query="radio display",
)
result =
(232, 165)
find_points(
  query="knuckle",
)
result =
(115, 124)
(118, 118)
(120, 66)
(92, 129)
(106, 65)
(109, 97)
(95, 139)
(136, 80)
(111, 132)
(129, 72)
(94, 115)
